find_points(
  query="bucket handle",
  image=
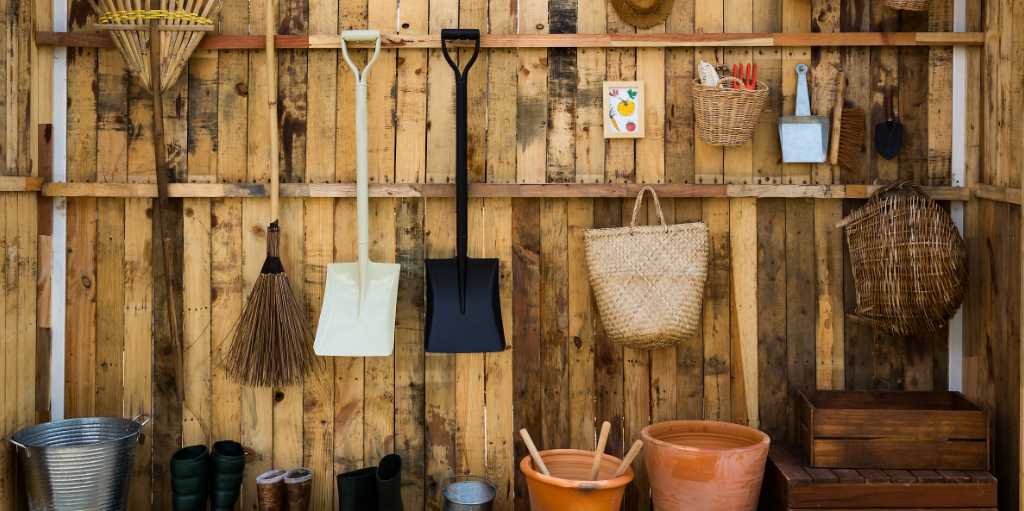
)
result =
(18, 444)
(146, 415)
(443, 487)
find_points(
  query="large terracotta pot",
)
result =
(568, 488)
(701, 465)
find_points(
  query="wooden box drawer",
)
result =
(790, 484)
(892, 430)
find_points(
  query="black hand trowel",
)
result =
(888, 134)
(463, 304)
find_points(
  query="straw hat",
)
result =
(643, 13)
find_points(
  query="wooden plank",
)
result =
(930, 476)
(581, 334)
(828, 249)
(349, 372)
(743, 295)
(853, 423)
(953, 476)
(501, 458)
(690, 353)
(897, 495)
(608, 358)
(801, 310)
(20, 184)
(109, 306)
(379, 372)
(494, 40)
(867, 453)
(874, 476)
(532, 117)
(980, 476)
(848, 476)
(664, 362)
(796, 18)
(196, 339)
(138, 339)
(708, 160)
(884, 71)
(791, 468)
(773, 369)
(526, 306)
(409, 355)
(80, 326)
(717, 372)
(554, 323)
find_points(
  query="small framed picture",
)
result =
(624, 109)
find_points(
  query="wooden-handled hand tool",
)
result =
(533, 452)
(633, 451)
(599, 455)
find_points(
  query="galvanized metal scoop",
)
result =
(804, 136)
(358, 314)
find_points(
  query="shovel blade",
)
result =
(344, 329)
(889, 139)
(448, 329)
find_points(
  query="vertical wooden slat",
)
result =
(828, 250)
(110, 223)
(348, 371)
(501, 459)
(526, 309)
(608, 362)
(773, 389)
(884, 71)
(717, 367)
(743, 295)
(80, 335)
(581, 333)
(590, 71)
(801, 310)
(554, 322)
(7, 413)
(196, 340)
(796, 17)
(470, 412)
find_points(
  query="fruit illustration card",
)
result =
(624, 109)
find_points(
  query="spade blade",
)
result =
(889, 139)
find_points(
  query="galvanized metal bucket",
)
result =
(79, 464)
(473, 495)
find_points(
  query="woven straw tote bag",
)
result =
(648, 280)
(908, 260)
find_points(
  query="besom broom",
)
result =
(272, 346)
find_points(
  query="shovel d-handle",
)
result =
(461, 209)
(362, 194)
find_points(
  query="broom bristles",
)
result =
(851, 138)
(272, 345)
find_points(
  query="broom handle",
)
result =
(275, 184)
(160, 153)
(837, 118)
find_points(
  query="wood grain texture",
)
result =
(527, 352)
(773, 366)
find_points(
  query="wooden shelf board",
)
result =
(997, 193)
(484, 190)
(20, 184)
(215, 42)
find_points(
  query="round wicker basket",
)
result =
(908, 260)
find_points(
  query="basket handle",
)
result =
(898, 186)
(636, 208)
(730, 79)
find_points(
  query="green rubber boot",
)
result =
(227, 462)
(357, 490)
(189, 478)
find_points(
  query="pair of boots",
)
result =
(197, 475)
(373, 489)
(278, 490)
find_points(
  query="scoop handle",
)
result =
(633, 451)
(889, 116)
(533, 452)
(599, 454)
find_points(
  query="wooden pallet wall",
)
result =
(779, 282)
(995, 144)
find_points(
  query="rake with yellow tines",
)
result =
(141, 35)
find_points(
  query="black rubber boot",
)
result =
(227, 462)
(189, 478)
(357, 490)
(389, 483)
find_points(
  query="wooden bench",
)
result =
(791, 484)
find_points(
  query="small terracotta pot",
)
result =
(568, 488)
(699, 465)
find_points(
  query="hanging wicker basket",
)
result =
(908, 5)
(648, 281)
(908, 260)
(726, 116)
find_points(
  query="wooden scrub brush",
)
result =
(847, 132)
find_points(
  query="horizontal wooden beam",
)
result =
(246, 42)
(997, 193)
(20, 184)
(485, 190)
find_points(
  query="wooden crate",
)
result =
(892, 430)
(790, 483)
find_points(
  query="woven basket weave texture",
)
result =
(908, 5)
(648, 281)
(726, 116)
(908, 260)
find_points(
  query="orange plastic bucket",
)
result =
(701, 465)
(568, 488)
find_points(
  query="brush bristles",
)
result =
(851, 139)
(272, 345)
